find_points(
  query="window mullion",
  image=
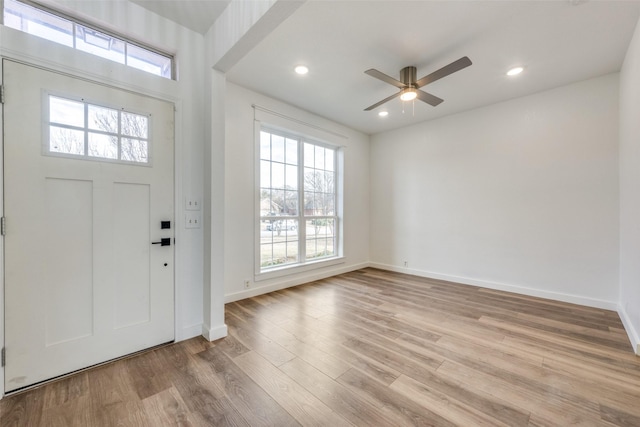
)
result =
(86, 129)
(336, 227)
(302, 225)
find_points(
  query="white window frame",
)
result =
(76, 23)
(302, 264)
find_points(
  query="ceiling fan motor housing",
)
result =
(408, 76)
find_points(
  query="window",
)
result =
(298, 219)
(79, 129)
(59, 29)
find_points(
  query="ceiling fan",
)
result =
(410, 87)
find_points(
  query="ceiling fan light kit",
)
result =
(408, 94)
(410, 87)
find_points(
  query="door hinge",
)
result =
(1, 94)
(3, 226)
(4, 356)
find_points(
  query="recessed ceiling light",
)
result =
(515, 71)
(301, 69)
(383, 113)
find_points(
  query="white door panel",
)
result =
(83, 283)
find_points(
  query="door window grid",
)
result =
(297, 201)
(33, 20)
(80, 129)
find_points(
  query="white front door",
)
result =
(88, 177)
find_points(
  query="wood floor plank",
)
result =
(369, 347)
(547, 409)
(251, 401)
(337, 397)
(110, 389)
(24, 409)
(302, 405)
(114, 401)
(611, 380)
(199, 387)
(619, 417)
(66, 390)
(167, 409)
(515, 372)
(593, 347)
(427, 375)
(73, 413)
(257, 342)
(563, 350)
(322, 360)
(321, 335)
(404, 411)
(443, 405)
(147, 375)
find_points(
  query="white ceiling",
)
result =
(197, 15)
(557, 42)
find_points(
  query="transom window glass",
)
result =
(297, 200)
(78, 128)
(33, 20)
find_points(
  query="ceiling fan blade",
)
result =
(428, 98)
(387, 79)
(444, 71)
(377, 104)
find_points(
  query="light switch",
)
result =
(192, 204)
(192, 220)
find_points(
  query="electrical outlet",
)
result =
(247, 284)
(192, 204)
(192, 220)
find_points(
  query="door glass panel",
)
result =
(104, 146)
(66, 112)
(134, 125)
(67, 141)
(101, 118)
(134, 150)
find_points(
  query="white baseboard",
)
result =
(299, 280)
(634, 336)
(557, 296)
(212, 334)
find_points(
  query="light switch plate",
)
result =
(192, 220)
(192, 204)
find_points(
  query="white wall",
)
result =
(137, 23)
(520, 195)
(630, 191)
(240, 210)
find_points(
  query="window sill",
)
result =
(298, 268)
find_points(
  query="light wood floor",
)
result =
(368, 348)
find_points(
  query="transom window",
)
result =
(79, 129)
(33, 20)
(298, 220)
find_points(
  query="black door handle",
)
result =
(165, 241)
